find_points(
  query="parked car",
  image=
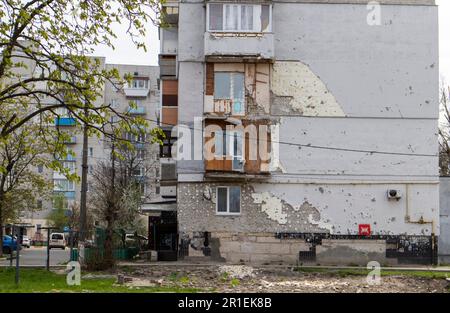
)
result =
(57, 240)
(136, 240)
(9, 244)
(26, 241)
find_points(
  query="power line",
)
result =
(323, 147)
(311, 146)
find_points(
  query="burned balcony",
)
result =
(237, 150)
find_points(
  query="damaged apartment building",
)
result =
(342, 98)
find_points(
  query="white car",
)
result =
(57, 240)
(25, 241)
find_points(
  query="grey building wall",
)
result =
(444, 239)
(366, 122)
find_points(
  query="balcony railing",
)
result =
(244, 46)
(137, 110)
(65, 121)
(72, 140)
(66, 194)
(136, 92)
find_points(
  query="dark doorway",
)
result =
(163, 235)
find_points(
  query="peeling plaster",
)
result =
(300, 91)
(319, 223)
(271, 205)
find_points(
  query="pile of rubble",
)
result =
(240, 278)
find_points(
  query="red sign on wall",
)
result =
(364, 229)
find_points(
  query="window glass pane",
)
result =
(238, 86)
(231, 16)
(235, 199)
(265, 18)
(247, 17)
(227, 139)
(218, 143)
(222, 199)
(215, 17)
(222, 85)
(238, 143)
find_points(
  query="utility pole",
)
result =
(84, 173)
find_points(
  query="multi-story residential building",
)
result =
(343, 97)
(143, 94)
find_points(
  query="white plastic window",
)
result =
(226, 17)
(228, 200)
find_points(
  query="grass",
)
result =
(41, 281)
(365, 272)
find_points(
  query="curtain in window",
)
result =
(247, 17)
(231, 16)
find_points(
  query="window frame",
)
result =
(223, 30)
(233, 78)
(69, 185)
(228, 213)
(135, 83)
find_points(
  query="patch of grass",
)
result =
(39, 280)
(173, 276)
(235, 282)
(365, 272)
(184, 280)
(310, 270)
(224, 277)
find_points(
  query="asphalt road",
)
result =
(37, 256)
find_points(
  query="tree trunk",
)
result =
(110, 216)
(108, 253)
(1, 231)
(1, 223)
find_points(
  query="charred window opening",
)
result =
(165, 150)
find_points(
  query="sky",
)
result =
(125, 51)
(444, 38)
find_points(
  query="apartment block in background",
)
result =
(140, 98)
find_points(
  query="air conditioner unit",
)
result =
(394, 194)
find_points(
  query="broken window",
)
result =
(168, 142)
(239, 17)
(230, 86)
(228, 200)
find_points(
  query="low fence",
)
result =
(121, 254)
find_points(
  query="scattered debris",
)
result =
(122, 279)
(237, 271)
(241, 278)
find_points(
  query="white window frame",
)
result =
(137, 80)
(255, 18)
(70, 165)
(238, 155)
(69, 185)
(228, 213)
